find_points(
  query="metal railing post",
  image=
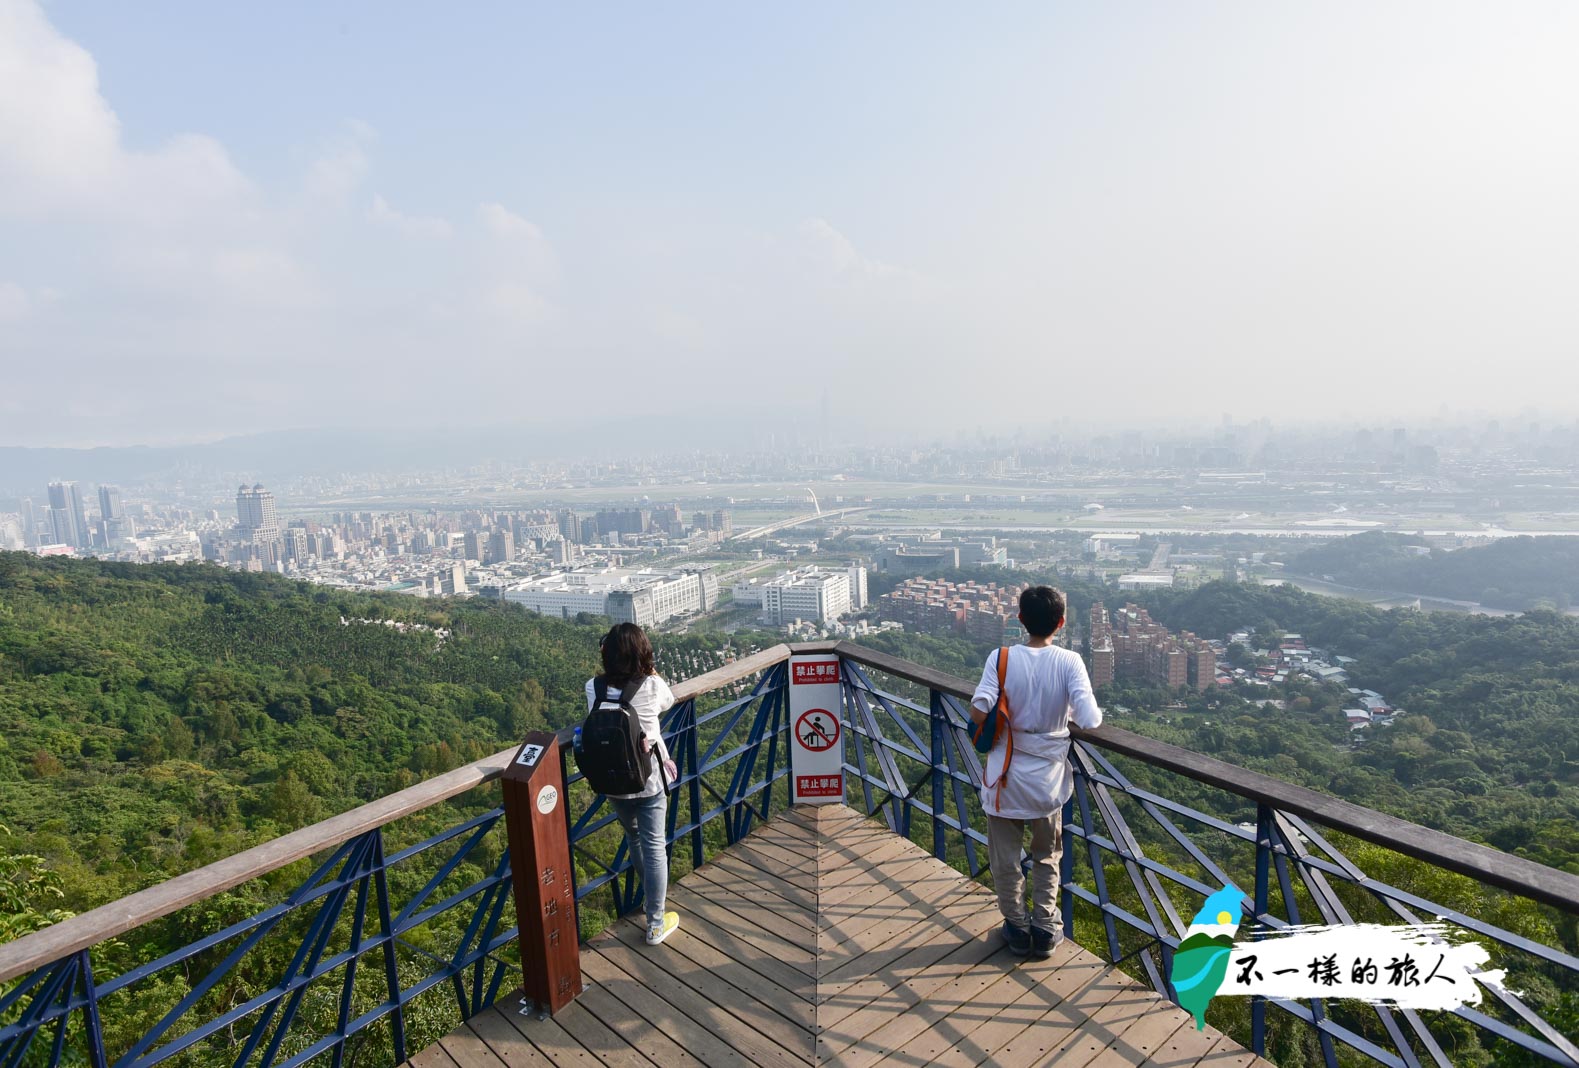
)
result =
(96, 1055)
(1066, 870)
(693, 757)
(939, 724)
(1263, 873)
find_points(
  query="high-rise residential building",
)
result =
(256, 514)
(110, 502)
(623, 521)
(297, 544)
(569, 525)
(723, 522)
(501, 547)
(857, 575)
(29, 524)
(114, 522)
(67, 517)
(475, 545)
(1101, 661)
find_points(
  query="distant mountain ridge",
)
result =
(274, 455)
(278, 455)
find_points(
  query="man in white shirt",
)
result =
(1047, 687)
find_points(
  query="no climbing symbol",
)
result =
(817, 729)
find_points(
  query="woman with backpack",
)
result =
(630, 681)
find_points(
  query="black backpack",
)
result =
(612, 757)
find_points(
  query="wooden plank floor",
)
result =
(907, 969)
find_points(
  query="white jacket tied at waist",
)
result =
(1038, 772)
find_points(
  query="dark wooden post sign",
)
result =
(545, 906)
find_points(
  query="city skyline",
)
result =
(1347, 212)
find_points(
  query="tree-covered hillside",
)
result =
(1488, 749)
(155, 718)
(1515, 573)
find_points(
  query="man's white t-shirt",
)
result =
(1047, 687)
(651, 701)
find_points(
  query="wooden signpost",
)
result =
(545, 899)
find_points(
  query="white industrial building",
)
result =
(646, 597)
(1146, 580)
(810, 593)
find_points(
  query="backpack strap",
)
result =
(1005, 725)
(600, 690)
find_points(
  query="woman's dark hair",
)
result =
(627, 654)
(1041, 610)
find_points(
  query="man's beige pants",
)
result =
(1005, 839)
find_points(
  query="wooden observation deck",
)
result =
(908, 969)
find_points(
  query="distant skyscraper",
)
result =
(569, 525)
(110, 502)
(29, 524)
(256, 514)
(501, 547)
(115, 525)
(67, 516)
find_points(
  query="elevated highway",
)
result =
(785, 524)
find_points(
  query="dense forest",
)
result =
(1513, 573)
(157, 718)
(244, 705)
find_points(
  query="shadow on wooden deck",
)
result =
(908, 969)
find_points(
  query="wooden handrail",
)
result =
(1491, 866)
(108, 921)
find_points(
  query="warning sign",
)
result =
(816, 734)
(820, 786)
(810, 674)
(817, 729)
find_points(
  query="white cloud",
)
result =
(503, 222)
(381, 214)
(518, 245)
(835, 257)
(517, 303)
(17, 303)
(14, 302)
(341, 163)
(60, 142)
(179, 219)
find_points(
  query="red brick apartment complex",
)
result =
(1132, 645)
(981, 611)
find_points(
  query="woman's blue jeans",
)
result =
(646, 826)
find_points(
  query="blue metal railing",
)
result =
(910, 762)
(348, 911)
(1131, 874)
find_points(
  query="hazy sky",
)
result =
(219, 218)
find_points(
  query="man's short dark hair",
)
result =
(1042, 609)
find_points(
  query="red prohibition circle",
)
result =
(814, 734)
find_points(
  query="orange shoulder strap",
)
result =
(1003, 669)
